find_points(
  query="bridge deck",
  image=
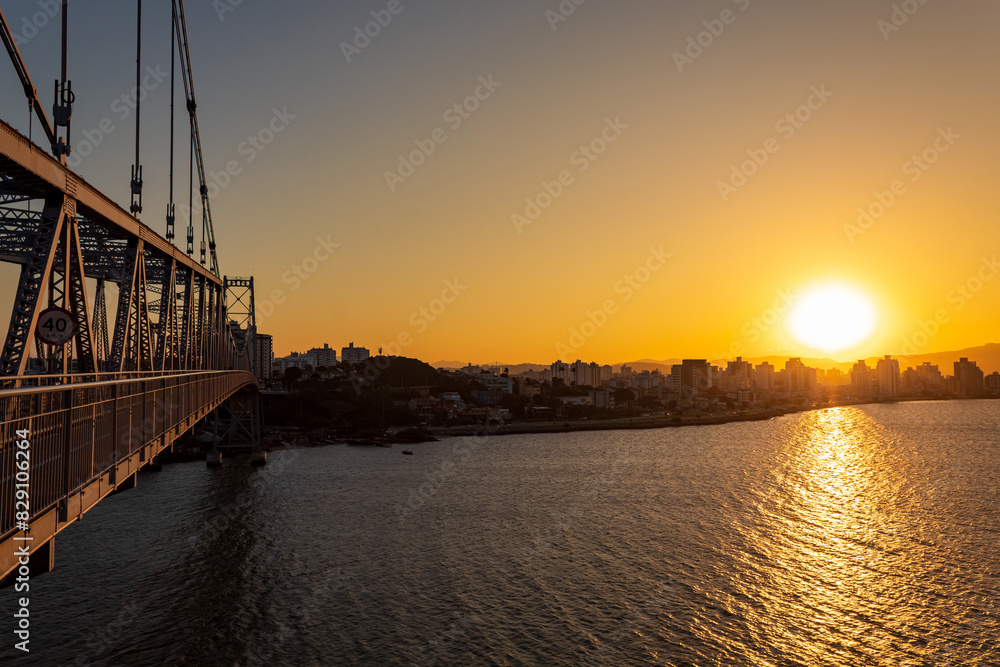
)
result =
(87, 438)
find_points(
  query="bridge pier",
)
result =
(41, 561)
(213, 459)
(127, 483)
(258, 457)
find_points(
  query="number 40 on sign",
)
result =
(56, 326)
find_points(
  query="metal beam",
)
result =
(20, 156)
(31, 289)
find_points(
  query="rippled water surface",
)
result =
(849, 536)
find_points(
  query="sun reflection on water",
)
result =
(835, 565)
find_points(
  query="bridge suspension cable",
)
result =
(136, 184)
(171, 216)
(187, 75)
(29, 88)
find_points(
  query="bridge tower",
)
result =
(240, 416)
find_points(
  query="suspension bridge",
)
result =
(87, 400)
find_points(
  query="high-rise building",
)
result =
(354, 355)
(763, 378)
(834, 377)
(696, 374)
(925, 378)
(322, 356)
(560, 371)
(797, 377)
(861, 377)
(265, 356)
(674, 381)
(739, 374)
(930, 376)
(992, 382)
(968, 377)
(607, 373)
(887, 375)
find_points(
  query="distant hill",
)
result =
(987, 356)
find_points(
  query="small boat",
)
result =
(408, 452)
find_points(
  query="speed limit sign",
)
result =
(56, 326)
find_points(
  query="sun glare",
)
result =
(833, 318)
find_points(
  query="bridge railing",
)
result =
(42, 380)
(79, 427)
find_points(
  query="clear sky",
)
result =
(666, 120)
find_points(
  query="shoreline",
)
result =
(625, 424)
(643, 423)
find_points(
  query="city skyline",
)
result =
(694, 166)
(987, 356)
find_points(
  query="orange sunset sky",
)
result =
(671, 121)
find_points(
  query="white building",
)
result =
(560, 371)
(496, 382)
(294, 360)
(576, 400)
(887, 372)
(354, 355)
(322, 356)
(763, 377)
(580, 374)
(454, 397)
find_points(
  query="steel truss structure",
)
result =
(101, 403)
(70, 242)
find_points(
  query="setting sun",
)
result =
(833, 318)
